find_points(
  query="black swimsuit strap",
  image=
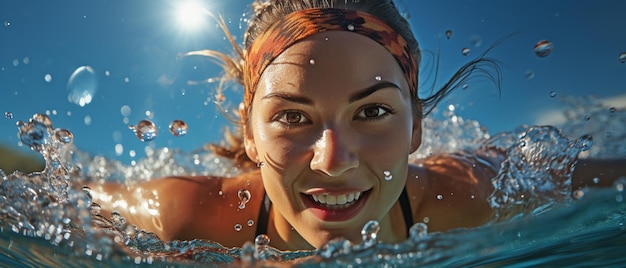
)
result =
(407, 214)
(264, 213)
(264, 216)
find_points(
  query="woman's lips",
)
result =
(335, 207)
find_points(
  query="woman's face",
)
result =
(333, 123)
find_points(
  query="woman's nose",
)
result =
(332, 154)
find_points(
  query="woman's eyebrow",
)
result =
(354, 97)
(289, 97)
(370, 90)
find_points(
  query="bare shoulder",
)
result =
(190, 207)
(452, 192)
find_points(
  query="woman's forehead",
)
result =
(334, 57)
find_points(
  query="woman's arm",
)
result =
(162, 206)
(597, 172)
(186, 208)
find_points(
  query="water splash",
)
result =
(39, 134)
(537, 170)
(370, 232)
(77, 226)
(418, 231)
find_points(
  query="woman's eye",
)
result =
(373, 112)
(291, 118)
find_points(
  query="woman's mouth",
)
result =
(335, 207)
(337, 201)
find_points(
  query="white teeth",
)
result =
(332, 200)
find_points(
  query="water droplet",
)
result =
(465, 51)
(587, 117)
(178, 128)
(260, 164)
(82, 86)
(7, 23)
(622, 57)
(145, 130)
(529, 74)
(596, 180)
(378, 78)
(439, 197)
(578, 194)
(47, 78)
(125, 110)
(262, 240)
(8, 115)
(619, 184)
(552, 94)
(238, 227)
(312, 61)
(419, 230)
(370, 232)
(350, 27)
(475, 40)
(543, 48)
(612, 109)
(464, 86)
(609, 134)
(388, 175)
(448, 34)
(244, 197)
(250, 222)
(63, 135)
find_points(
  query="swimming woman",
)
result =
(329, 117)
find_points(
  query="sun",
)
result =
(190, 15)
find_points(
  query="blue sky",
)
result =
(132, 48)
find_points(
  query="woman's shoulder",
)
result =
(452, 192)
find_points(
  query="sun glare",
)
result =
(190, 15)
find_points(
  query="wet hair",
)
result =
(267, 12)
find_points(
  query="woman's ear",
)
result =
(248, 138)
